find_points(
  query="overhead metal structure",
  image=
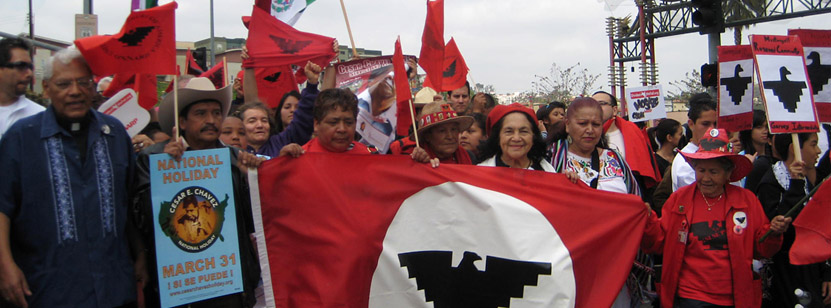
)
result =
(636, 42)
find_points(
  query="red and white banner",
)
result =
(735, 87)
(812, 243)
(342, 230)
(124, 106)
(816, 45)
(785, 88)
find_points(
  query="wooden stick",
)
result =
(412, 115)
(798, 204)
(176, 108)
(349, 29)
(225, 72)
(797, 149)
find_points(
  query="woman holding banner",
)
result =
(514, 139)
(710, 231)
(781, 186)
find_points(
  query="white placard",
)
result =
(645, 103)
(124, 107)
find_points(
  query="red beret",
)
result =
(500, 111)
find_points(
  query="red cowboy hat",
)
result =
(715, 144)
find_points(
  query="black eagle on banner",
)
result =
(135, 36)
(289, 46)
(466, 286)
(818, 73)
(736, 85)
(450, 71)
(788, 92)
(273, 77)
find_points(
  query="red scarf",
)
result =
(638, 153)
(460, 157)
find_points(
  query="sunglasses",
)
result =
(20, 65)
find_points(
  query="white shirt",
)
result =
(22, 108)
(616, 142)
(611, 177)
(682, 173)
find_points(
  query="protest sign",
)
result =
(197, 248)
(124, 107)
(735, 88)
(372, 80)
(816, 46)
(645, 103)
(785, 88)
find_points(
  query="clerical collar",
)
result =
(74, 125)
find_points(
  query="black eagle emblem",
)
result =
(736, 85)
(788, 92)
(818, 73)
(712, 234)
(450, 71)
(135, 36)
(465, 285)
(216, 78)
(289, 46)
(711, 144)
(273, 77)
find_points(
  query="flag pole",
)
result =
(799, 203)
(412, 116)
(349, 29)
(224, 72)
(175, 109)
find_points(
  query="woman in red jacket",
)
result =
(709, 233)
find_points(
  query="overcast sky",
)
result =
(505, 43)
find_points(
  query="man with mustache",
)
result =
(16, 71)
(202, 108)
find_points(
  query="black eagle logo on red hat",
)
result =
(289, 46)
(465, 285)
(450, 71)
(135, 36)
(273, 77)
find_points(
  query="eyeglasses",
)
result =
(20, 65)
(603, 103)
(83, 83)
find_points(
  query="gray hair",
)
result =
(66, 56)
(101, 82)
(724, 162)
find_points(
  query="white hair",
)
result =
(66, 56)
(101, 82)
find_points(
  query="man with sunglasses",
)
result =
(63, 200)
(16, 72)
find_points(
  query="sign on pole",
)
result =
(785, 88)
(124, 106)
(197, 248)
(735, 88)
(645, 103)
(816, 46)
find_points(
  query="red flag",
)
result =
(192, 68)
(813, 229)
(454, 74)
(431, 58)
(145, 86)
(402, 91)
(272, 42)
(216, 74)
(273, 83)
(146, 44)
(334, 237)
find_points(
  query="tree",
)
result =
(562, 84)
(686, 88)
(487, 88)
(735, 10)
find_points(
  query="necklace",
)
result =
(710, 206)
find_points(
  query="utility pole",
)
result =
(87, 7)
(213, 51)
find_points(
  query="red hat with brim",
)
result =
(717, 144)
(500, 111)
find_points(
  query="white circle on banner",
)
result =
(457, 217)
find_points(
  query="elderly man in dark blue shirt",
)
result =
(63, 199)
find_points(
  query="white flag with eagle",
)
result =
(287, 11)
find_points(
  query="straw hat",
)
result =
(197, 90)
(438, 113)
